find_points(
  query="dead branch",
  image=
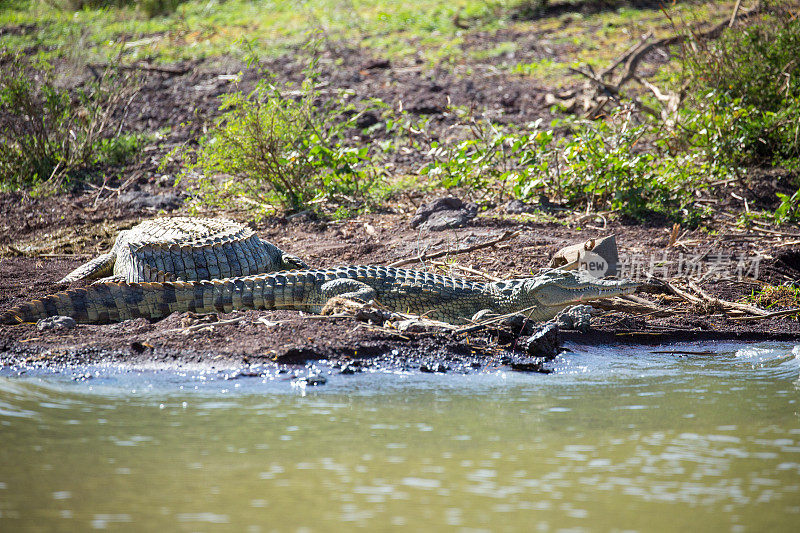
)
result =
(638, 307)
(465, 268)
(507, 236)
(726, 304)
(203, 325)
(143, 67)
(774, 314)
(604, 87)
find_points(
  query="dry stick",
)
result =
(62, 256)
(775, 232)
(508, 235)
(632, 307)
(467, 269)
(740, 307)
(482, 324)
(202, 325)
(672, 311)
(176, 71)
(684, 352)
(735, 11)
(624, 57)
(775, 314)
(633, 57)
(681, 294)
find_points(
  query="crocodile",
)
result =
(185, 249)
(443, 298)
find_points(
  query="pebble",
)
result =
(56, 323)
(546, 342)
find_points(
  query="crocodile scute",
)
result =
(443, 298)
(185, 249)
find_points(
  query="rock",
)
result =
(144, 200)
(372, 315)
(433, 369)
(443, 220)
(576, 317)
(350, 370)
(312, 380)
(530, 366)
(599, 257)
(544, 343)
(444, 213)
(519, 325)
(366, 120)
(376, 64)
(449, 203)
(56, 323)
(517, 207)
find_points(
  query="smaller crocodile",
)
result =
(443, 298)
(185, 249)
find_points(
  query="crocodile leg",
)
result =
(291, 262)
(98, 267)
(336, 292)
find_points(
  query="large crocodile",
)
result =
(438, 297)
(185, 249)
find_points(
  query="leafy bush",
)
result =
(600, 166)
(279, 147)
(48, 134)
(489, 160)
(789, 208)
(745, 93)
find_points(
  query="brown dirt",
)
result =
(292, 338)
(41, 239)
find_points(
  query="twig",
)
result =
(202, 325)
(63, 256)
(775, 232)
(735, 11)
(681, 294)
(508, 235)
(624, 57)
(633, 307)
(774, 314)
(175, 71)
(467, 269)
(734, 305)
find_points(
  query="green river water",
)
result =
(617, 439)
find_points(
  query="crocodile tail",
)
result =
(102, 303)
(97, 268)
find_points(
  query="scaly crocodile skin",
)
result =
(438, 297)
(185, 249)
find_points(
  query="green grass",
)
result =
(211, 28)
(204, 28)
(634, 169)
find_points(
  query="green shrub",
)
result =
(612, 165)
(745, 93)
(789, 208)
(281, 147)
(50, 135)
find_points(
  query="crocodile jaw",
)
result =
(559, 289)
